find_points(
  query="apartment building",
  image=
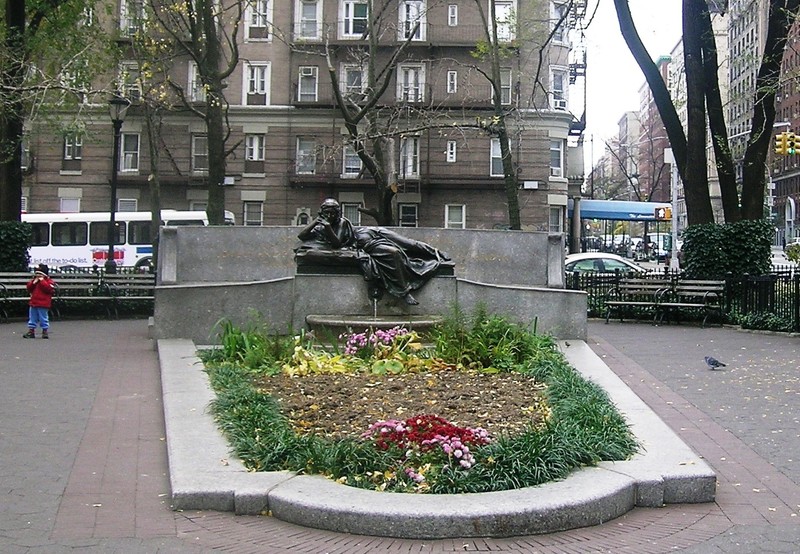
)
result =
(290, 147)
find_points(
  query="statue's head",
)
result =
(331, 210)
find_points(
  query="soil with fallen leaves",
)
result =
(342, 405)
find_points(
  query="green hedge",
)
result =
(16, 238)
(711, 251)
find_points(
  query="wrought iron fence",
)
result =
(769, 301)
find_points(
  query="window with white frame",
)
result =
(350, 212)
(309, 17)
(354, 14)
(451, 151)
(557, 13)
(131, 16)
(129, 153)
(505, 86)
(505, 14)
(556, 219)
(69, 205)
(452, 82)
(197, 92)
(352, 80)
(259, 16)
(257, 84)
(25, 160)
(452, 15)
(199, 153)
(412, 19)
(306, 157)
(23, 208)
(253, 213)
(129, 83)
(556, 158)
(73, 147)
(408, 215)
(558, 88)
(307, 83)
(411, 83)
(254, 149)
(352, 163)
(496, 168)
(409, 158)
(455, 216)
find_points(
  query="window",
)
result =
(505, 86)
(307, 84)
(306, 160)
(259, 15)
(407, 216)
(409, 158)
(73, 147)
(451, 151)
(452, 15)
(71, 233)
(411, 83)
(556, 219)
(139, 232)
(558, 89)
(455, 216)
(412, 19)
(257, 85)
(254, 153)
(129, 153)
(128, 82)
(40, 234)
(199, 153)
(352, 163)
(131, 16)
(354, 18)
(353, 81)
(69, 205)
(25, 160)
(98, 233)
(558, 11)
(496, 169)
(505, 19)
(197, 92)
(253, 213)
(350, 211)
(23, 208)
(452, 82)
(127, 205)
(309, 16)
(556, 158)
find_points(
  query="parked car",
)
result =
(600, 262)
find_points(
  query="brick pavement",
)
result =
(83, 462)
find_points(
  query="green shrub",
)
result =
(16, 238)
(712, 251)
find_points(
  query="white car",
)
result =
(600, 262)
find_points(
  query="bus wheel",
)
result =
(144, 265)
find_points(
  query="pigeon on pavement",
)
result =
(713, 363)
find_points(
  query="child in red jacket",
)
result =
(41, 289)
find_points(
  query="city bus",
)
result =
(81, 239)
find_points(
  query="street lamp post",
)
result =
(117, 107)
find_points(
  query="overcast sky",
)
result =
(613, 78)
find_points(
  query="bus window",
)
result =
(98, 233)
(69, 234)
(41, 234)
(139, 232)
(176, 222)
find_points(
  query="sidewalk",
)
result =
(84, 461)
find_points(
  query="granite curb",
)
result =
(204, 475)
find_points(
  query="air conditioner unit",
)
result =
(555, 172)
(307, 71)
(560, 104)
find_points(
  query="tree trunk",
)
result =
(695, 178)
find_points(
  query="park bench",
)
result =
(13, 290)
(700, 295)
(642, 294)
(80, 287)
(130, 288)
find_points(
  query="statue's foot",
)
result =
(410, 300)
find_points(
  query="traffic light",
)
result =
(791, 144)
(663, 214)
(781, 143)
